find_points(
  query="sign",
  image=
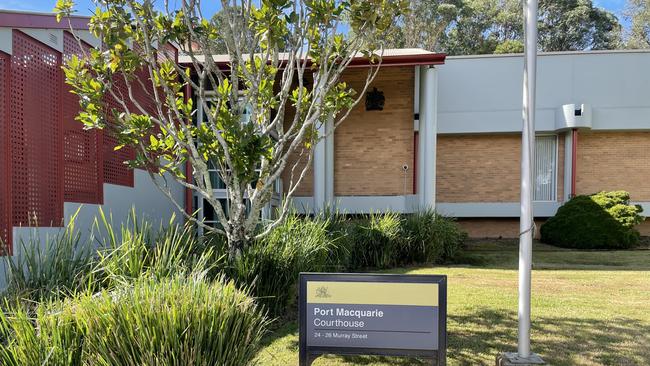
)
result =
(375, 314)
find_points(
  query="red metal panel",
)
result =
(5, 172)
(36, 133)
(82, 152)
(115, 171)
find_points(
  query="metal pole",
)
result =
(526, 224)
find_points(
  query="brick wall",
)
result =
(483, 168)
(479, 228)
(299, 159)
(478, 168)
(296, 164)
(614, 161)
(494, 228)
(370, 147)
(644, 227)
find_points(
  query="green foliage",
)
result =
(137, 250)
(424, 25)
(603, 220)
(275, 48)
(432, 238)
(272, 264)
(374, 241)
(50, 269)
(637, 12)
(177, 321)
(44, 336)
(509, 46)
(389, 240)
(64, 264)
(134, 291)
(496, 26)
(334, 242)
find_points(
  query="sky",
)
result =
(211, 6)
(84, 7)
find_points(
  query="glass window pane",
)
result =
(545, 168)
(217, 182)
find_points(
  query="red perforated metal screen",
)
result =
(82, 149)
(36, 133)
(115, 171)
(5, 180)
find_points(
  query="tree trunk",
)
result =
(237, 241)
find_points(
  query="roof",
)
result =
(390, 57)
(28, 19)
(553, 53)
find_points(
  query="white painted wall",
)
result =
(483, 94)
(145, 197)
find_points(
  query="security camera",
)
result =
(405, 167)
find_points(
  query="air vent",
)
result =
(54, 39)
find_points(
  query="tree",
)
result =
(266, 103)
(481, 25)
(638, 13)
(423, 25)
(495, 26)
(571, 25)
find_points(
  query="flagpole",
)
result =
(523, 356)
(526, 223)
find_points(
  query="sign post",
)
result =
(373, 314)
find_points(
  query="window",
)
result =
(545, 168)
(206, 212)
(210, 217)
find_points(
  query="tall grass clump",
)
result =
(271, 265)
(137, 250)
(52, 268)
(176, 321)
(387, 240)
(431, 238)
(45, 335)
(374, 241)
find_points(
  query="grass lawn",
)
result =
(589, 308)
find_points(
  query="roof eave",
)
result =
(10, 19)
(405, 60)
(387, 61)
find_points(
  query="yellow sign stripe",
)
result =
(372, 293)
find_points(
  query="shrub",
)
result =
(388, 240)
(137, 250)
(374, 241)
(177, 321)
(603, 220)
(432, 238)
(271, 265)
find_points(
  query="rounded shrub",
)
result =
(604, 220)
(176, 321)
